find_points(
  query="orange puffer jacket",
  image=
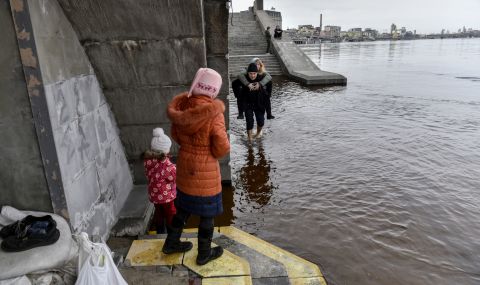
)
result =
(198, 126)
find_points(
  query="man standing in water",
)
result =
(268, 37)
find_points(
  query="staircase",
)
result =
(245, 41)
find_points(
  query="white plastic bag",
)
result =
(96, 265)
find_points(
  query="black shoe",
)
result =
(37, 233)
(173, 243)
(240, 116)
(176, 246)
(214, 253)
(19, 227)
(270, 117)
(205, 252)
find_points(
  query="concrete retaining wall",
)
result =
(94, 169)
(22, 178)
(216, 40)
(144, 53)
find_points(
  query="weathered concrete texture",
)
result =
(134, 19)
(133, 219)
(216, 26)
(261, 266)
(143, 106)
(22, 179)
(147, 275)
(137, 139)
(216, 38)
(144, 53)
(128, 64)
(220, 64)
(95, 173)
(57, 62)
(295, 62)
(139, 111)
(271, 281)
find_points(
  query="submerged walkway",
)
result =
(246, 260)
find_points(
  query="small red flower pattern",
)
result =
(161, 180)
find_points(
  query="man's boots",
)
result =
(205, 251)
(173, 243)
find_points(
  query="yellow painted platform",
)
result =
(227, 265)
(229, 268)
(296, 267)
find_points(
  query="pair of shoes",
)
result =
(270, 117)
(240, 116)
(29, 233)
(18, 227)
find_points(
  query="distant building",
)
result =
(305, 27)
(370, 34)
(307, 31)
(355, 34)
(332, 31)
(275, 16)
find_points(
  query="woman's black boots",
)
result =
(205, 251)
(173, 243)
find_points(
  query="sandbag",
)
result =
(15, 264)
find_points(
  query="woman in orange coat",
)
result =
(198, 126)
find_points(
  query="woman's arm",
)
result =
(267, 78)
(220, 145)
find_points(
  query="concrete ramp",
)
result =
(246, 260)
(295, 62)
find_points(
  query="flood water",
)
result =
(378, 182)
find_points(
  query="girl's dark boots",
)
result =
(173, 243)
(205, 252)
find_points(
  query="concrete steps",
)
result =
(245, 41)
(238, 63)
(246, 260)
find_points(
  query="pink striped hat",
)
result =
(206, 82)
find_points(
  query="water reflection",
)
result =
(255, 177)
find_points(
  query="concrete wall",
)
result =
(216, 39)
(144, 53)
(22, 178)
(95, 173)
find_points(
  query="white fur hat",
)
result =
(160, 141)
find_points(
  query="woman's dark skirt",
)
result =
(209, 206)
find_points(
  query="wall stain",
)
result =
(23, 35)
(33, 82)
(27, 57)
(17, 5)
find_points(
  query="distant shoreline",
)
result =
(384, 40)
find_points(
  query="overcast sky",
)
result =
(425, 16)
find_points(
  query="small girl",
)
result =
(161, 175)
